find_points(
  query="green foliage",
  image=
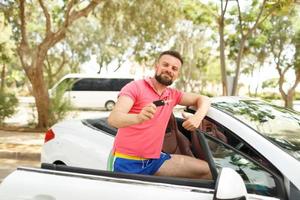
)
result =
(9, 61)
(276, 96)
(6, 44)
(193, 40)
(197, 12)
(296, 41)
(270, 96)
(297, 95)
(59, 104)
(8, 105)
(279, 7)
(284, 49)
(133, 29)
(271, 83)
(209, 94)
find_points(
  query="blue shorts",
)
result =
(146, 167)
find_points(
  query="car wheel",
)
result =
(109, 105)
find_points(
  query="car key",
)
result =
(159, 103)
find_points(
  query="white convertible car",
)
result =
(258, 140)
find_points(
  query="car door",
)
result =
(260, 177)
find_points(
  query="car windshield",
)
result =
(280, 125)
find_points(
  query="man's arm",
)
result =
(119, 117)
(202, 104)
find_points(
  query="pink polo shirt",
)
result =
(146, 139)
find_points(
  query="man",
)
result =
(141, 124)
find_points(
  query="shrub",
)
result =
(209, 94)
(8, 105)
(59, 105)
(270, 96)
(297, 96)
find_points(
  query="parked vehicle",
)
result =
(91, 91)
(260, 141)
(266, 160)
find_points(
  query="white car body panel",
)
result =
(79, 138)
(91, 99)
(92, 187)
(42, 184)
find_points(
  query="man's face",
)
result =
(167, 69)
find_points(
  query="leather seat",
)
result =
(176, 142)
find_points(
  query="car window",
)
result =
(100, 124)
(66, 84)
(83, 85)
(100, 84)
(118, 84)
(221, 133)
(257, 179)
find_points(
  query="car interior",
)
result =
(224, 146)
(180, 141)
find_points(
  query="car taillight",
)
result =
(49, 135)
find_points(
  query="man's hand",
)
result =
(147, 113)
(191, 122)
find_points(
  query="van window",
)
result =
(66, 84)
(103, 84)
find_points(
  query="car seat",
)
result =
(176, 142)
(211, 129)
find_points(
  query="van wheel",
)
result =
(109, 105)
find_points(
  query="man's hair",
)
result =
(171, 53)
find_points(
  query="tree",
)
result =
(32, 54)
(284, 46)
(247, 22)
(116, 26)
(136, 30)
(221, 26)
(8, 100)
(193, 40)
(191, 44)
(255, 56)
(119, 31)
(6, 49)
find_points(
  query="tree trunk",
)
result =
(32, 57)
(222, 60)
(288, 101)
(2, 79)
(42, 101)
(238, 67)
(40, 92)
(222, 51)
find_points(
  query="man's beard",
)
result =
(162, 80)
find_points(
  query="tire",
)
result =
(109, 105)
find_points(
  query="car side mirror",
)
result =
(230, 185)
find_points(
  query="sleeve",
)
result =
(177, 96)
(130, 90)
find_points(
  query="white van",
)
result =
(91, 91)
